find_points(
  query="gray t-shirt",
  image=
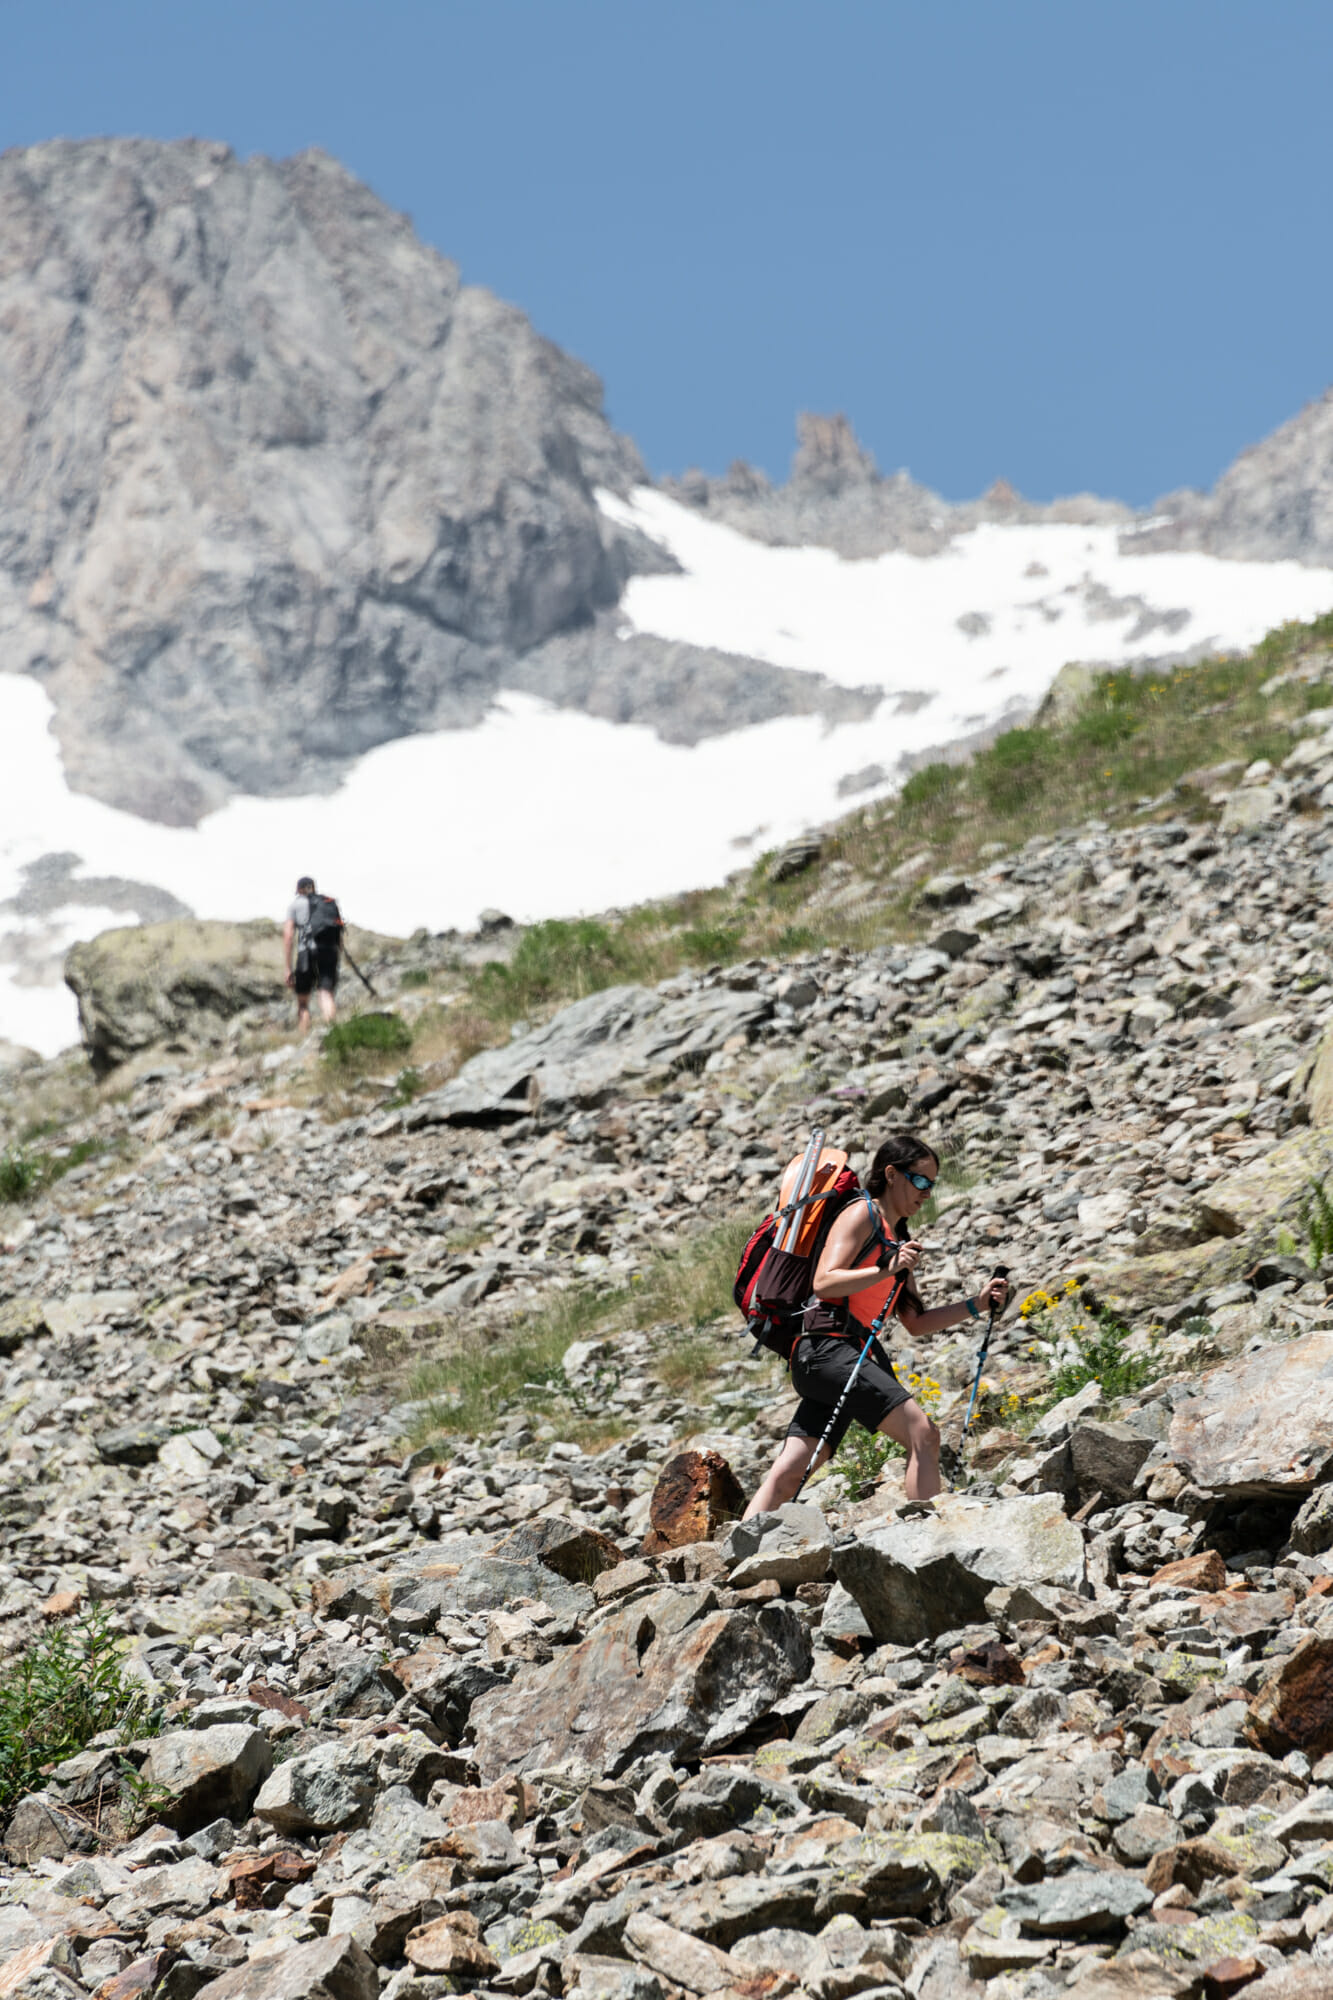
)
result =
(298, 912)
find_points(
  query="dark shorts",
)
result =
(317, 968)
(820, 1367)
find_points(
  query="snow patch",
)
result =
(544, 812)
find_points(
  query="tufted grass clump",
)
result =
(366, 1035)
(24, 1174)
(1097, 1351)
(20, 1174)
(67, 1688)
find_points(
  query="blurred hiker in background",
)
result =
(313, 931)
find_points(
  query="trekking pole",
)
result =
(880, 1318)
(357, 969)
(1000, 1271)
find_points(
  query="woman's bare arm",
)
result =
(837, 1275)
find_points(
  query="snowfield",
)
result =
(543, 812)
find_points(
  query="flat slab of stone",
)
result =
(930, 1571)
(587, 1049)
(790, 1546)
(1261, 1425)
(332, 1968)
(208, 1774)
(649, 1677)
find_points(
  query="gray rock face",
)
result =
(324, 1789)
(649, 1678)
(837, 497)
(1275, 501)
(578, 1055)
(209, 1773)
(931, 1572)
(332, 1968)
(1263, 1424)
(139, 986)
(277, 488)
(1106, 1459)
(1084, 1903)
(790, 1546)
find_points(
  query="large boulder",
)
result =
(330, 1968)
(326, 1788)
(1105, 1458)
(664, 1674)
(1262, 1425)
(789, 1546)
(587, 1050)
(930, 1571)
(208, 1774)
(150, 982)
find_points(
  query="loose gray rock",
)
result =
(790, 1546)
(208, 1773)
(931, 1572)
(320, 1791)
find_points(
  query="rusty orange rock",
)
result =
(1201, 1572)
(510, 1799)
(1293, 1710)
(695, 1493)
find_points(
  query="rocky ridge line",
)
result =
(277, 488)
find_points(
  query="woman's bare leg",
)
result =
(785, 1475)
(909, 1426)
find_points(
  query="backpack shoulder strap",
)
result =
(876, 1226)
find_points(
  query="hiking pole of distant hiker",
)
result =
(357, 969)
(881, 1317)
(1000, 1271)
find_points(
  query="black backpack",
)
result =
(324, 925)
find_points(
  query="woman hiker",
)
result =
(865, 1253)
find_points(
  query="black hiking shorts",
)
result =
(316, 968)
(820, 1367)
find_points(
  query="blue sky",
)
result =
(1078, 245)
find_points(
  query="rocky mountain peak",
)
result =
(829, 456)
(276, 486)
(1275, 501)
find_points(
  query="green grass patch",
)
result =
(692, 1285)
(20, 1175)
(366, 1035)
(482, 1379)
(69, 1687)
(862, 1457)
(710, 944)
(24, 1174)
(472, 1386)
(416, 975)
(410, 1084)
